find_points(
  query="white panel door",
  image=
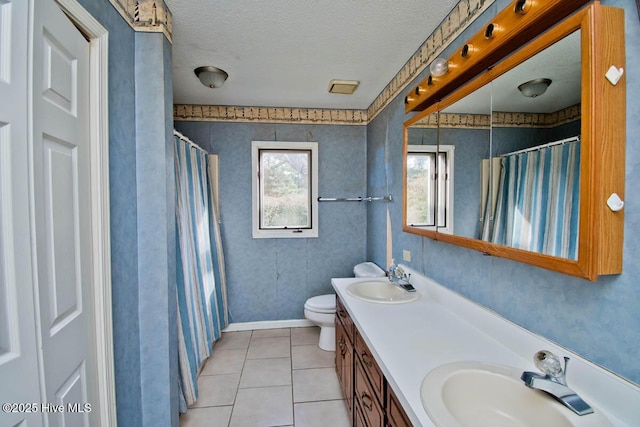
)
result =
(18, 355)
(61, 159)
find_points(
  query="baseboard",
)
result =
(268, 324)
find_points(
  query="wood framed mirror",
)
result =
(487, 121)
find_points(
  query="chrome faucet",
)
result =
(398, 277)
(554, 382)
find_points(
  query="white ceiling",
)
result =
(283, 53)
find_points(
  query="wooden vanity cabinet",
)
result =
(369, 399)
(396, 417)
(370, 367)
(344, 363)
(342, 316)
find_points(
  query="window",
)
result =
(429, 196)
(285, 189)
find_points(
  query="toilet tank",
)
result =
(368, 269)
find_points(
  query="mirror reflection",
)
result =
(535, 164)
(423, 186)
(466, 126)
(516, 153)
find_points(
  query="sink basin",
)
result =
(381, 292)
(482, 394)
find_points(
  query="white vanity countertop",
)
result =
(409, 340)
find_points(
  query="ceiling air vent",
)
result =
(345, 87)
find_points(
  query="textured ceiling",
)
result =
(283, 53)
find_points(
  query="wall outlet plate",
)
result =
(406, 256)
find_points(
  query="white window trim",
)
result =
(258, 233)
(449, 149)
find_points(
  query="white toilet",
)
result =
(321, 310)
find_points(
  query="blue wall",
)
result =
(507, 139)
(124, 241)
(145, 352)
(600, 320)
(270, 279)
(155, 185)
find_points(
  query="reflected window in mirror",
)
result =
(430, 186)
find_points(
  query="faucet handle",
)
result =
(549, 363)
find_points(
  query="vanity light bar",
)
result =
(512, 28)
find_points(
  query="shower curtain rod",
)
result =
(539, 147)
(388, 198)
(188, 141)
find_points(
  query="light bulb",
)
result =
(439, 67)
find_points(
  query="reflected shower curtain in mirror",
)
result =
(489, 185)
(201, 283)
(539, 199)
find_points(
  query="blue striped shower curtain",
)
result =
(201, 283)
(539, 201)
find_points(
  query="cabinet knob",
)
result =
(366, 360)
(366, 401)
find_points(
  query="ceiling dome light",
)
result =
(439, 67)
(534, 88)
(211, 76)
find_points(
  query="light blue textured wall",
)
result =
(600, 320)
(124, 229)
(156, 230)
(145, 349)
(170, 221)
(270, 279)
(508, 139)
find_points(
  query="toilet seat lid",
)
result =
(323, 303)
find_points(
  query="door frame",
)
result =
(100, 206)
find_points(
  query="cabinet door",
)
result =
(347, 375)
(342, 315)
(396, 417)
(340, 342)
(366, 398)
(344, 365)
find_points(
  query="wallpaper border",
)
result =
(537, 120)
(209, 113)
(503, 119)
(152, 16)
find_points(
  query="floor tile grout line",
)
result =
(233, 407)
(308, 369)
(266, 386)
(293, 408)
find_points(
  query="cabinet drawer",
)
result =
(370, 367)
(342, 316)
(366, 400)
(396, 417)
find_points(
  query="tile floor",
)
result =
(272, 377)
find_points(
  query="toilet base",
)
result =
(327, 340)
